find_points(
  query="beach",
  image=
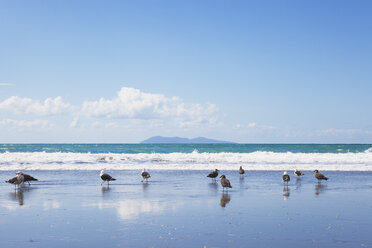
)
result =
(184, 208)
(100, 90)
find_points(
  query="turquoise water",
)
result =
(186, 148)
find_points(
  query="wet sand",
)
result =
(186, 209)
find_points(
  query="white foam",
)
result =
(186, 161)
(369, 150)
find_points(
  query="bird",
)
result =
(319, 176)
(298, 173)
(145, 175)
(241, 171)
(106, 177)
(28, 178)
(213, 174)
(225, 182)
(18, 180)
(286, 177)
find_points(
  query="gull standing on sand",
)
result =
(225, 182)
(298, 173)
(145, 175)
(319, 176)
(18, 180)
(213, 174)
(106, 177)
(241, 171)
(286, 177)
(28, 178)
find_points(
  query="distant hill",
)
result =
(179, 140)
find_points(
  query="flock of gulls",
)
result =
(21, 177)
(317, 175)
(225, 183)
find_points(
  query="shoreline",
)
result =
(186, 209)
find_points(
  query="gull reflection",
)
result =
(105, 189)
(320, 188)
(286, 192)
(213, 186)
(145, 189)
(298, 182)
(145, 186)
(225, 198)
(18, 196)
(241, 182)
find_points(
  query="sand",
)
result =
(185, 209)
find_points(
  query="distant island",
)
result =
(179, 140)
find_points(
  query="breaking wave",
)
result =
(258, 160)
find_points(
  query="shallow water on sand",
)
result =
(186, 209)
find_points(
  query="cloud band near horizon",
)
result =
(129, 104)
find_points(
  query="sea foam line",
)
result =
(186, 161)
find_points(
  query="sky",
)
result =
(242, 71)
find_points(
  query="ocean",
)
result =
(269, 157)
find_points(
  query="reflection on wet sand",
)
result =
(320, 188)
(145, 186)
(105, 189)
(241, 182)
(18, 196)
(213, 186)
(145, 189)
(225, 198)
(286, 192)
(134, 208)
(298, 182)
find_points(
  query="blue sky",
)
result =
(244, 71)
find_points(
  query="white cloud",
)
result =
(130, 107)
(252, 124)
(50, 106)
(131, 103)
(336, 131)
(5, 84)
(74, 122)
(25, 123)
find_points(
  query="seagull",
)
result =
(106, 177)
(18, 180)
(286, 177)
(225, 182)
(298, 173)
(28, 178)
(241, 171)
(319, 176)
(213, 174)
(145, 175)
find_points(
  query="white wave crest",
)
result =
(186, 161)
(369, 150)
